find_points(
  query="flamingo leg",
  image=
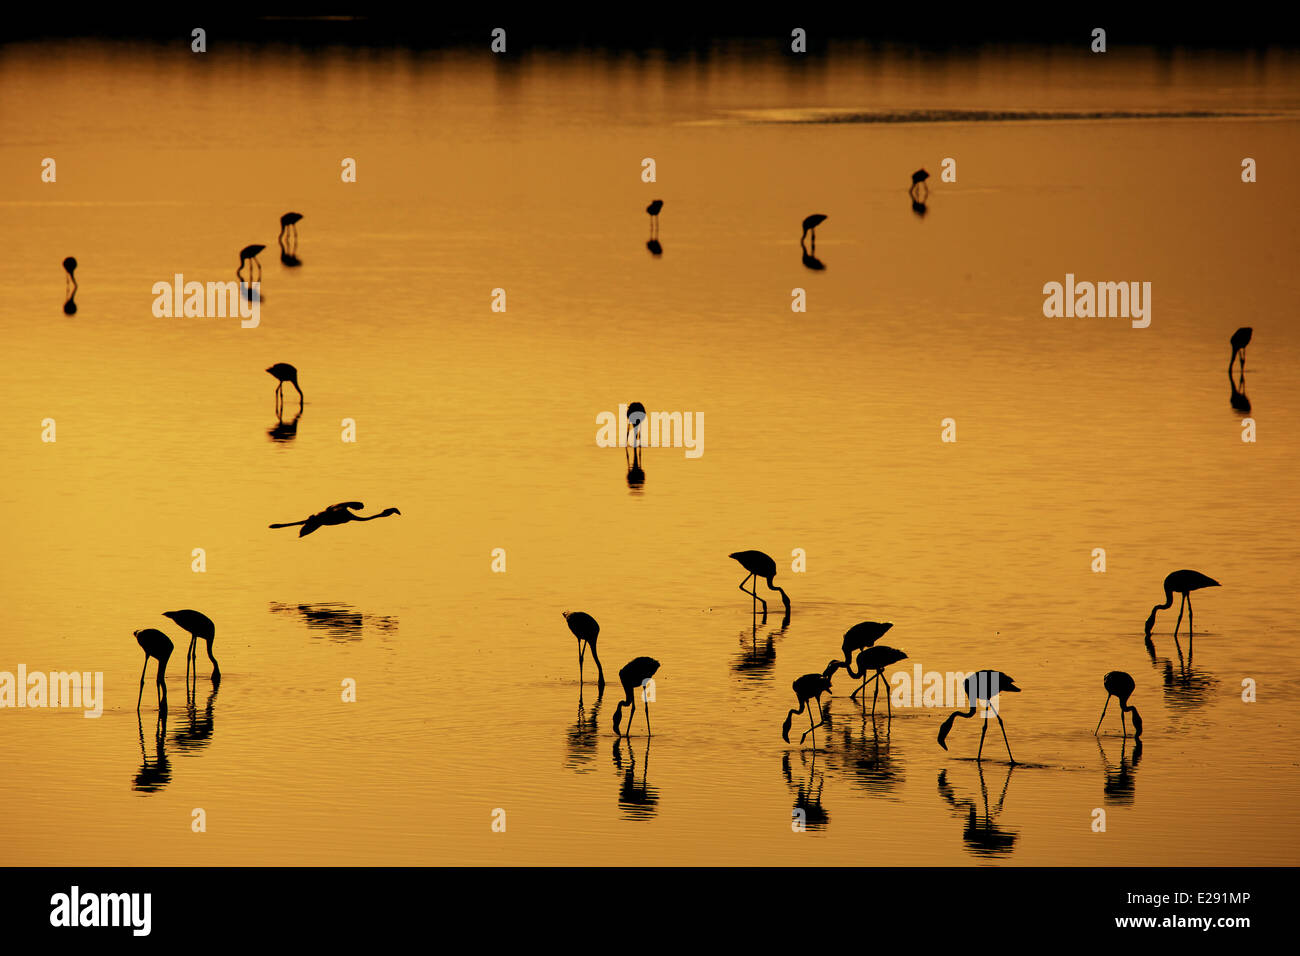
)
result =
(579, 661)
(1004, 733)
(984, 730)
(140, 696)
(1122, 724)
(888, 704)
(875, 694)
(1103, 714)
(1179, 622)
(647, 719)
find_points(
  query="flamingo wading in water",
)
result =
(284, 372)
(633, 675)
(340, 513)
(1181, 582)
(159, 646)
(872, 659)
(586, 630)
(200, 626)
(1120, 684)
(982, 685)
(759, 565)
(807, 689)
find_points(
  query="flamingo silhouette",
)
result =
(586, 630)
(872, 659)
(70, 306)
(340, 513)
(1240, 339)
(635, 419)
(653, 210)
(159, 646)
(245, 254)
(633, 675)
(284, 372)
(290, 222)
(1121, 685)
(1183, 582)
(200, 626)
(856, 638)
(810, 224)
(809, 687)
(759, 565)
(982, 685)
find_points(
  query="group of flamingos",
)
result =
(873, 658)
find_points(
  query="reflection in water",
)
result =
(581, 738)
(808, 809)
(868, 757)
(810, 225)
(156, 772)
(655, 247)
(637, 798)
(284, 431)
(289, 254)
(810, 261)
(339, 622)
(197, 732)
(983, 837)
(1185, 688)
(755, 659)
(919, 193)
(1238, 397)
(635, 474)
(70, 286)
(1120, 784)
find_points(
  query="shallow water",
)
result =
(822, 434)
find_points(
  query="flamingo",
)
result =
(290, 220)
(1240, 339)
(1183, 582)
(284, 372)
(872, 659)
(1120, 684)
(634, 424)
(856, 638)
(159, 646)
(759, 565)
(586, 630)
(982, 685)
(653, 210)
(807, 688)
(246, 253)
(919, 176)
(633, 675)
(810, 224)
(200, 626)
(70, 266)
(340, 513)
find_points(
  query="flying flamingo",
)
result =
(634, 423)
(1183, 582)
(872, 659)
(290, 220)
(808, 688)
(284, 372)
(759, 565)
(810, 224)
(200, 626)
(1121, 685)
(157, 645)
(335, 514)
(586, 630)
(633, 675)
(1240, 339)
(856, 638)
(245, 254)
(982, 685)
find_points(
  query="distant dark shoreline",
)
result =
(633, 28)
